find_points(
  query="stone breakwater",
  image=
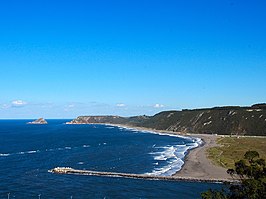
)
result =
(71, 171)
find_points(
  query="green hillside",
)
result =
(219, 120)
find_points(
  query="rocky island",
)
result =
(38, 121)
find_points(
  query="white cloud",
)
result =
(120, 105)
(158, 106)
(18, 103)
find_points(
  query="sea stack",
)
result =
(38, 121)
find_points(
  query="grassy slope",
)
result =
(220, 120)
(234, 121)
(232, 149)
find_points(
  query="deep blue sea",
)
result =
(27, 152)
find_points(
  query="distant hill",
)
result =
(230, 120)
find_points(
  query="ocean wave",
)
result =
(171, 159)
(19, 153)
(4, 154)
(45, 150)
(173, 156)
(132, 129)
(49, 149)
(32, 151)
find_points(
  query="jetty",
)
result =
(71, 171)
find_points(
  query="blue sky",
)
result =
(61, 59)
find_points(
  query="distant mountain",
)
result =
(230, 120)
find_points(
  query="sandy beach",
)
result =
(197, 165)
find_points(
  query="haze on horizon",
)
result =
(62, 59)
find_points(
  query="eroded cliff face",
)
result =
(219, 120)
(234, 121)
(98, 119)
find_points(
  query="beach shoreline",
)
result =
(196, 164)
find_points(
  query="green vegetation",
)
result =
(219, 120)
(251, 172)
(231, 149)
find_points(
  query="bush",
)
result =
(251, 173)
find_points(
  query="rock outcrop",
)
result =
(38, 121)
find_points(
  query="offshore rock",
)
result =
(38, 121)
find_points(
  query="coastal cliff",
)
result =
(98, 119)
(38, 121)
(233, 120)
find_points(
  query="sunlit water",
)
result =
(27, 152)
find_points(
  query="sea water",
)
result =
(27, 152)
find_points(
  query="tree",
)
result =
(251, 173)
(250, 155)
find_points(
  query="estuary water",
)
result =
(27, 152)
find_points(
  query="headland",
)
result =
(208, 124)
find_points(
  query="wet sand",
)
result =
(197, 165)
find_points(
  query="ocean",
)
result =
(27, 152)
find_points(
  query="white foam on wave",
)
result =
(161, 157)
(121, 127)
(172, 157)
(44, 150)
(32, 151)
(4, 154)
(49, 150)
(155, 132)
